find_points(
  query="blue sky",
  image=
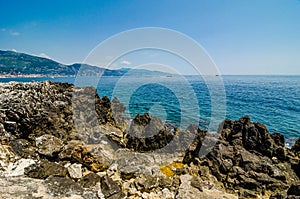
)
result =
(241, 36)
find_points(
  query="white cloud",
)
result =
(14, 50)
(44, 55)
(10, 32)
(14, 33)
(125, 62)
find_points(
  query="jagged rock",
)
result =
(193, 148)
(29, 104)
(51, 106)
(48, 145)
(278, 139)
(89, 180)
(77, 151)
(75, 171)
(110, 189)
(241, 159)
(144, 134)
(238, 168)
(252, 136)
(296, 147)
(93, 111)
(45, 169)
(143, 126)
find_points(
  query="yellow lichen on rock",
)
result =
(169, 170)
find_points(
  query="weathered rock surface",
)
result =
(28, 188)
(44, 169)
(110, 188)
(77, 151)
(60, 186)
(61, 141)
(75, 171)
(48, 145)
(89, 180)
(18, 168)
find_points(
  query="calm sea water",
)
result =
(272, 100)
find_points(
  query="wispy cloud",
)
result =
(10, 32)
(125, 62)
(14, 33)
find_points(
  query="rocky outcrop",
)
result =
(61, 141)
(250, 161)
(296, 147)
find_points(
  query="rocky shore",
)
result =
(61, 141)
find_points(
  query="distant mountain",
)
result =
(14, 63)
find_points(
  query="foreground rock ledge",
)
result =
(60, 141)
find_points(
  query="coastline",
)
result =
(261, 110)
(112, 157)
(33, 76)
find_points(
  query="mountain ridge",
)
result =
(22, 64)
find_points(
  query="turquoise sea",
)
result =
(271, 100)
